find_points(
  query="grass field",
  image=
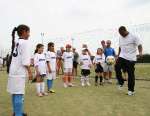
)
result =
(84, 101)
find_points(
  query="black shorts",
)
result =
(35, 78)
(99, 69)
(43, 75)
(85, 72)
(75, 64)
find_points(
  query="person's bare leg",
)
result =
(73, 73)
(96, 79)
(58, 66)
(101, 78)
(105, 77)
(65, 80)
(70, 78)
(76, 71)
(105, 74)
(61, 65)
(110, 77)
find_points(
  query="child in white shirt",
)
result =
(85, 62)
(19, 68)
(68, 65)
(40, 69)
(99, 61)
(51, 66)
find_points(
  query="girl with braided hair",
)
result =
(19, 68)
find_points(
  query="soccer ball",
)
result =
(110, 60)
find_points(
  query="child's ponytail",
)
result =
(35, 51)
(13, 40)
(12, 48)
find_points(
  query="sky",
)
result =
(60, 20)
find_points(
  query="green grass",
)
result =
(83, 101)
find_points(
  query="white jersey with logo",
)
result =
(18, 72)
(68, 59)
(51, 57)
(40, 62)
(99, 59)
(86, 60)
(129, 46)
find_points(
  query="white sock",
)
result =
(38, 87)
(82, 79)
(87, 79)
(42, 84)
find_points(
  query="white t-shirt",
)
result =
(99, 59)
(68, 59)
(18, 72)
(17, 68)
(40, 62)
(86, 60)
(129, 46)
(51, 57)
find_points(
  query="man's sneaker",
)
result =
(130, 93)
(120, 87)
(82, 84)
(65, 85)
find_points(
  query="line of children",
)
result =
(45, 66)
(49, 70)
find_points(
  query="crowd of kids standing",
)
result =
(48, 64)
